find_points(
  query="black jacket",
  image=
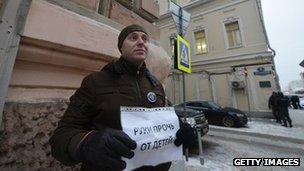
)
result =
(96, 104)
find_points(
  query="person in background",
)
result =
(90, 131)
(273, 105)
(283, 103)
(295, 102)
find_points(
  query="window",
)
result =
(193, 104)
(206, 105)
(233, 34)
(214, 105)
(200, 40)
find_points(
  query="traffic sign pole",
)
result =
(182, 21)
(183, 74)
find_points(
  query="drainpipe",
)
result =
(259, 6)
(12, 20)
(213, 89)
(211, 84)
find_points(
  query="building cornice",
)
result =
(193, 5)
(232, 58)
(218, 8)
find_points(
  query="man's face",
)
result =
(135, 47)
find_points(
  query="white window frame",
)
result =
(231, 20)
(197, 29)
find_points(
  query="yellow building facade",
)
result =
(232, 61)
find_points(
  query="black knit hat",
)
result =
(126, 31)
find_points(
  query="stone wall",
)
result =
(25, 132)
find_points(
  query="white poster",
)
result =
(154, 131)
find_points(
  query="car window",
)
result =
(205, 105)
(192, 104)
(199, 104)
(214, 105)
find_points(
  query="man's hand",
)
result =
(105, 148)
(185, 135)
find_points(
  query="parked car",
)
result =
(194, 118)
(217, 115)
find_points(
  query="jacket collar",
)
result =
(122, 66)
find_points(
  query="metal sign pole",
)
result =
(248, 101)
(247, 88)
(184, 101)
(182, 21)
(183, 74)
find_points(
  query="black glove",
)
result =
(105, 148)
(185, 135)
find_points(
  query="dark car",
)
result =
(195, 118)
(217, 115)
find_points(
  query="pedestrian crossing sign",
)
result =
(183, 61)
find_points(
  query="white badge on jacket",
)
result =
(151, 97)
(154, 131)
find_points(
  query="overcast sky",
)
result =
(284, 21)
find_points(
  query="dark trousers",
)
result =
(275, 113)
(294, 105)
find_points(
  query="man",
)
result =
(272, 104)
(295, 101)
(90, 129)
(283, 104)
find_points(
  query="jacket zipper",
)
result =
(138, 89)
